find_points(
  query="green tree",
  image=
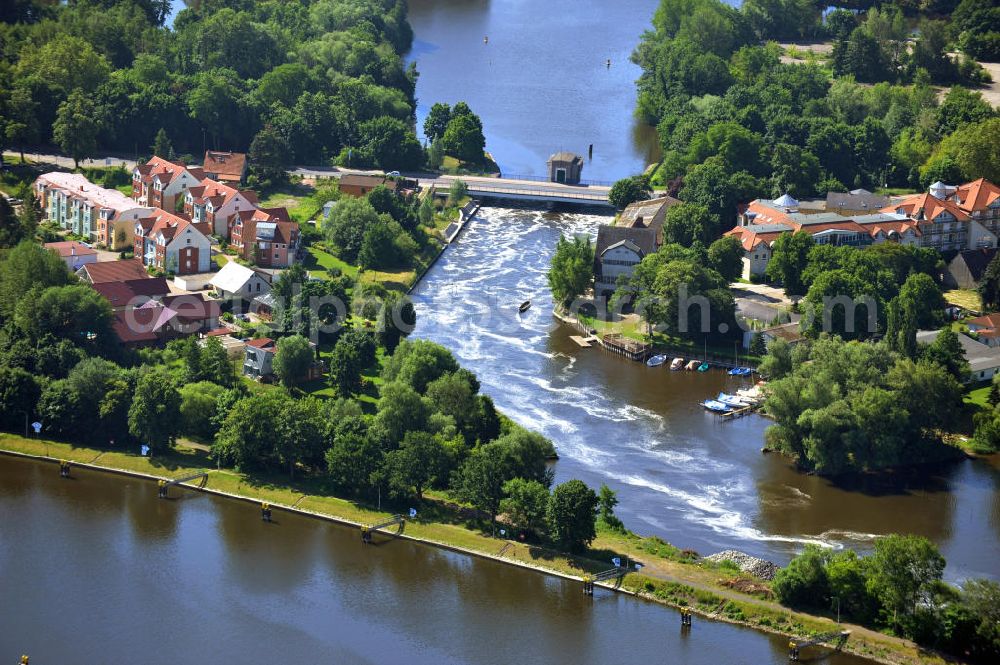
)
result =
(758, 345)
(457, 191)
(902, 572)
(397, 319)
(19, 393)
(420, 460)
(847, 576)
(725, 256)
(607, 500)
(347, 225)
(22, 127)
(464, 139)
(426, 210)
(162, 147)
(75, 312)
(789, 258)
(12, 230)
(687, 223)
(946, 350)
(481, 478)
(214, 364)
(628, 190)
(269, 155)
(572, 514)
(198, 408)
(401, 409)
(970, 155)
(989, 286)
(571, 271)
(803, 582)
(525, 504)
(154, 417)
(77, 126)
(354, 458)
(437, 121)
(292, 359)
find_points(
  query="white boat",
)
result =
(731, 400)
(692, 365)
(714, 405)
(677, 363)
(656, 360)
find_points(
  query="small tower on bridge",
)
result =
(565, 167)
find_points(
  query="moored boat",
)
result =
(656, 360)
(691, 366)
(524, 306)
(716, 406)
(732, 400)
(703, 367)
(678, 363)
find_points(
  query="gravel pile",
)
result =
(751, 565)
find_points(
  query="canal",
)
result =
(680, 472)
(96, 569)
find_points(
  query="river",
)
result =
(680, 472)
(96, 569)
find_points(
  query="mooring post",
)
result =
(265, 511)
(366, 535)
(685, 618)
(64, 468)
(588, 586)
(161, 488)
(24, 660)
(793, 651)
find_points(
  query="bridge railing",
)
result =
(546, 193)
(541, 178)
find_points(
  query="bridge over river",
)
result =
(519, 188)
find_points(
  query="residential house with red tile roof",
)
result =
(131, 293)
(104, 216)
(986, 329)
(227, 167)
(155, 322)
(112, 271)
(75, 254)
(943, 224)
(214, 203)
(161, 183)
(172, 243)
(266, 238)
(980, 199)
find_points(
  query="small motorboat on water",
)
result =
(678, 363)
(656, 360)
(740, 371)
(733, 401)
(524, 306)
(691, 366)
(703, 367)
(716, 406)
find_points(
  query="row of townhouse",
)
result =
(102, 216)
(946, 218)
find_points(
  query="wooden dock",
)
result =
(625, 346)
(739, 413)
(584, 342)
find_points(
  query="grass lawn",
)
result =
(318, 261)
(978, 396)
(297, 199)
(964, 298)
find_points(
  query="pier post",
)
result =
(685, 619)
(588, 586)
(24, 660)
(161, 490)
(265, 511)
(793, 652)
(366, 535)
(64, 468)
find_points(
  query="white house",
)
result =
(172, 244)
(159, 183)
(618, 251)
(214, 203)
(236, 281)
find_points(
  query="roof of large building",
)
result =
(858, 199)
(120, 294)
(643, 240)
(165, 170)
(225, 165)
(68, 248)
(166, 224)
(649, 213)
(113, 271)
(977, 195)
(979, 356)
(925, 207)
(78, 187)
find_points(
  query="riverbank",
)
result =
(666, 577)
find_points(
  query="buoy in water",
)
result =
(609, 63)
(486, 39)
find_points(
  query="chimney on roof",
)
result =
(72, 250)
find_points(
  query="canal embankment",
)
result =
(664, 579)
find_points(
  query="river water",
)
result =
(680, 472)
(98, 570)
(541, 83)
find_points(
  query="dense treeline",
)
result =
(857, 406)
(898, 587)
(430, 427)
(326, 76)
(737, 123)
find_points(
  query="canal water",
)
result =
(680, 472)
(98, 570)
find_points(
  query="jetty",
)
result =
(630, 348)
